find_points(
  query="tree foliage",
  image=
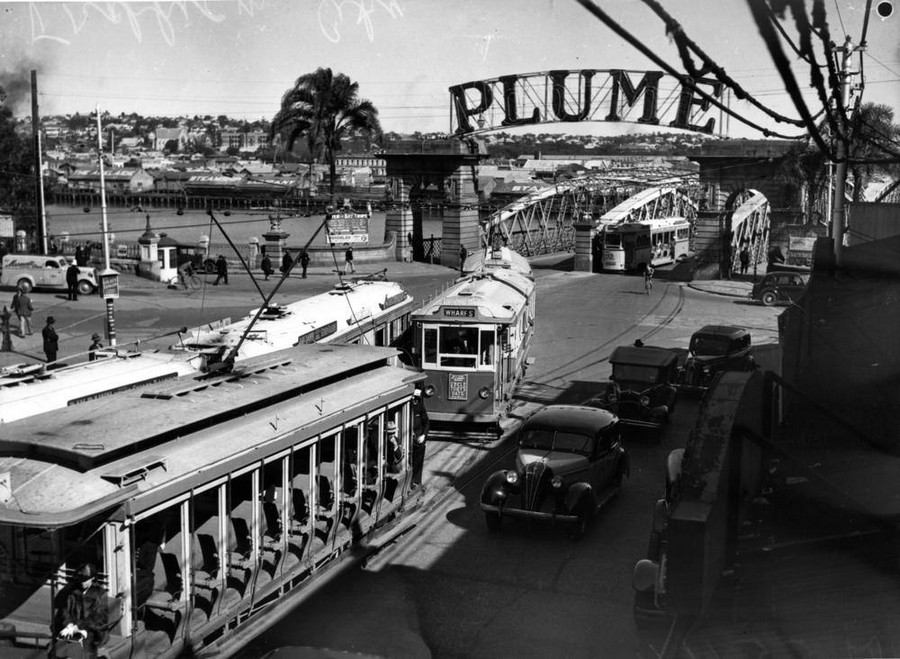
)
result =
(323, 108)
(17, 179)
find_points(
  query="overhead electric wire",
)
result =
(770, 37)
(618, 29)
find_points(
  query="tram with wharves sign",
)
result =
(631, 245)
(472, 342)
(186, 516)
(366, 311)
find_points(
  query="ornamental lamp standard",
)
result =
(109, 278)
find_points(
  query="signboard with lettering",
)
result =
(457, 386)
(318, 334)
(7, 229)
(458, 312)
(348, 228)
(391, 300)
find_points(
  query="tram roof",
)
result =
(496, 295)
(503, 258)
(69, 463)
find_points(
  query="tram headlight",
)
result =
(484, 392)
(645, 401)
(512, 477)
(428, 390)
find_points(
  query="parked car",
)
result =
(649, 577)
(779, 287)
(713, 349)
(641, 390)
(29, 271)
(570, 463)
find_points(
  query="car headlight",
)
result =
(706, 370)
(484, 392)
(512, 477)
(611, 398)
(428, 390)
(556, 483)
(645, 401)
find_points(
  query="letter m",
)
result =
(648, 86)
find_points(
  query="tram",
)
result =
(208, 505)
(629, 246)
(373, 312)
(364, 311)
(472, 342)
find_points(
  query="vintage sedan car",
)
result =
(779, 288)
(641, 391)
(713, 349)
(570, 463)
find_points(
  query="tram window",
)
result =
(349, 461)
(204, 547)
(459, 340)
(326, 473)
(487, 347)
(272, 499)
(240, 502)
(642, 240)
(430, 346)
(157, 541)
(613, 240)
(380, 336)
(300, 487)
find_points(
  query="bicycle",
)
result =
(191, 281)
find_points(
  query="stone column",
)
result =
(275, 241)
(584, 246)
(399, 218)
(460, 217)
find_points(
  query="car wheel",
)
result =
(493, 521)
(209, 266)
(768, 298)
(24, 285)
(85, 287)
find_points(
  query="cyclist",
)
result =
(648, 277)
(185, 272)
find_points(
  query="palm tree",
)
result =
(324, 108)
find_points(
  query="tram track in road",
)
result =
(576, 364)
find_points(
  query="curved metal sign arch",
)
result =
(583, 95)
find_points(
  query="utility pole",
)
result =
(838, 216)
(38, 169)
(109, 278)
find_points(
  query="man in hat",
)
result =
(72, 282)
(221, 270)
(420, 434)
(51, 339)
(393, 447)
(94, 347)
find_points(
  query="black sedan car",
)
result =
(641, 391)
(713, 349)
(570, 463)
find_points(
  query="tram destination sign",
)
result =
(348, 228)
(643, 97)
(458, 312)
(457, 387)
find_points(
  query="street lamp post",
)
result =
(109, 278)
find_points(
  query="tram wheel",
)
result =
(493, 521)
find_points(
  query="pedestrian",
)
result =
(745, 260)
(286, 263)
(72, 282)
(221, 270)
(21, 306)
(94, 347)
(51, 339)
(348, 260)
(83, 615)
(304, 262)
(266, 266)
(463, 254)
(648, 278)
(79, 256)
(421, 424)
(393, 448)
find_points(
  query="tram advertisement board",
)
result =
(458, 388)
(348, 228)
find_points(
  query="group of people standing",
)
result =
(287, 262)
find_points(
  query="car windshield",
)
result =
(555, 440)
(712, 346)
(635, 373)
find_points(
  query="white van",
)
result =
(28, 271)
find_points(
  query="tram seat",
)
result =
(326, 486)
(167, 584)
(205, 555)
(299, 506)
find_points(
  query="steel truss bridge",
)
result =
(544, 221)
(749, 227)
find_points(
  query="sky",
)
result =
(237, 57)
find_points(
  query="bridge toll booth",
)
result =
(441, 175)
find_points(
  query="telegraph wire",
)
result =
(770, 37)
(647, 52)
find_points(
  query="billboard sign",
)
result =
(348, 228)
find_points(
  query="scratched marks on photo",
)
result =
(333, 14)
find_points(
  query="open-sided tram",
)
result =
(208, 504)
(473, 340)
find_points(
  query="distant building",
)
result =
(166, 135)
(118, 180)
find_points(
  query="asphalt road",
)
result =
(451, 589)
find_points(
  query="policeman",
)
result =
(420, 435)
